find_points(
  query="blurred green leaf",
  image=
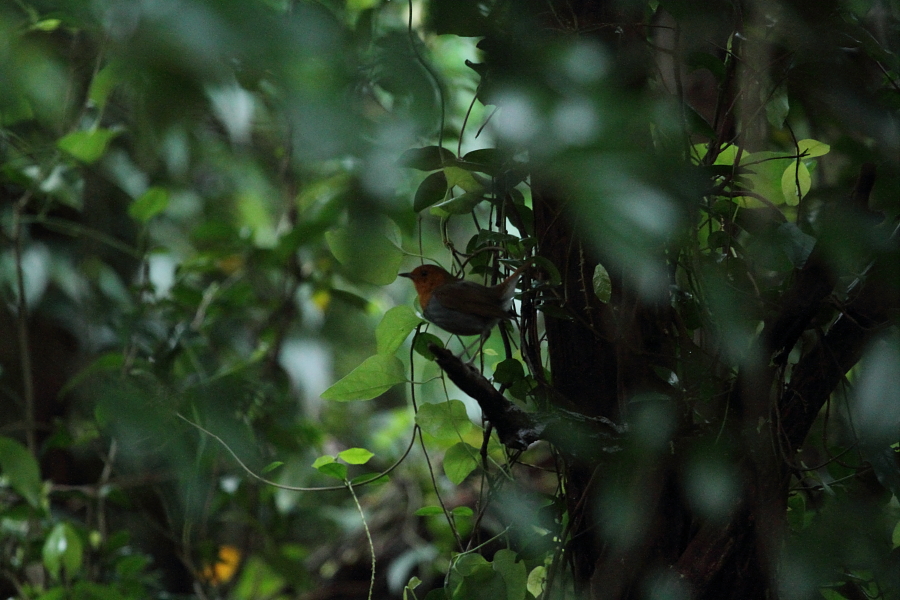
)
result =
(149, 204)
(376, 375)
(21, 469)
(368, 251)
(370, 479)
(87, 146)
(259, 580)
(103, 84)
(429, 511)
(55, 593)
(271, 467)
(46, 25)
(63, 551)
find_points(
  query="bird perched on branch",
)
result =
(459, 306)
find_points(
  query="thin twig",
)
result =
(293, 488)
(22, 326)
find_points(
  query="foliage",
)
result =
(204, 206)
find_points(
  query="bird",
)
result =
(462, 307)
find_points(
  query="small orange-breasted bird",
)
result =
(459, 306)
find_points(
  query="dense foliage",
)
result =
(215, 386)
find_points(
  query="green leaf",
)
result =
(764, 174)
(376, 375)
(323, 460)
(726, 156)
(271, 467)
(457, 177)
(509, 371)
(420, 344)
(536, 580)
(87, 146)
(394, 328)
(462, 511)
(812, 148)
(103, 84)
(429, 511)
(432, 190)
(327, 466)
(460, 460)
(336, 470)
(151, 203)
(46, 25)
(795, 173)
(458, 205)
(429, 158)
(63, 550)
(368, 251)
(602, 284)
(487, 160)
(356, 456)
(21, 469)
(473, 578)
(444, 420)
(514, 573)
(468, 564)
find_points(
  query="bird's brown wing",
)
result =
(471, 297)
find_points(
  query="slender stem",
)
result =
(362, 515)
(22, 326)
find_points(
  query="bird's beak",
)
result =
(408, 275)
